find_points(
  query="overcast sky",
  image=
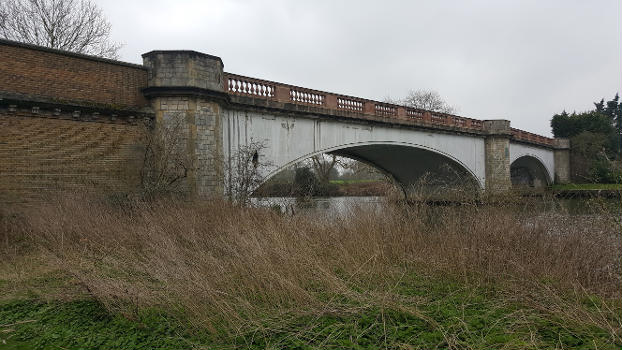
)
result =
(517, 60)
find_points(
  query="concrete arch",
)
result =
(529, 171)
(391, 158)
(289, 139)
(537, 162)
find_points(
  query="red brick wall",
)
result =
(41, 156)
(67, 77)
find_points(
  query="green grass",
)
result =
(431, 313)
(587, 187)
(83, 324)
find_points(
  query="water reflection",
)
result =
(338, 206)
(341, 206)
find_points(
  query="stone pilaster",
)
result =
(497, 149)
(185, 89)
(562, 160)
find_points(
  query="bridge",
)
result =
(294, 123)
(222, 113)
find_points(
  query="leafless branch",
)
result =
(165, 163)
(72, 25)
(244, 171)
(424, 99)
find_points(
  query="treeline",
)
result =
(596, 141)
(304, 181)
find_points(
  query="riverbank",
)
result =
(587, 191)
(89, 273)
(335, 188)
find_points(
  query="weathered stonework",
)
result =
(208, 149)
(497, 153)
(188, 86)
(562, 160)
(184, 69)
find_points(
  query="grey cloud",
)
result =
(519, 60)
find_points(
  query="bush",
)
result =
(305, 182)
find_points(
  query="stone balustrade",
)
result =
(257, 88)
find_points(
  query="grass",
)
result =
(85, 273)
(559, 187)
(82, 324)
(451, 316)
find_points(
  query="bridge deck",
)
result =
(262, 92)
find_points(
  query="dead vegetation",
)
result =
(231, 269)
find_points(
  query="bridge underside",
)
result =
(414, 169)
(529, 172)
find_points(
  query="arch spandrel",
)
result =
(292, 139)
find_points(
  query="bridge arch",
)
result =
(529, 171)
(405, 162)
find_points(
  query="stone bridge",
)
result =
(294, 123)
(221, 113)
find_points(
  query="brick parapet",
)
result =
(56, 75)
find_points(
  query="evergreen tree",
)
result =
(595, 138)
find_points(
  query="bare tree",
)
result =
(166, 163)
(424, 99)
(323, 164)
(72, 25)
(244, 172)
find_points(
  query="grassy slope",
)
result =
(398, 305)
(431, 312)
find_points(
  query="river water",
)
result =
(340, 206)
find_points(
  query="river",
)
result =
(340, 206)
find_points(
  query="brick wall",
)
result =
(62, 76)
(40, 156)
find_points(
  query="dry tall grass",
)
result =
(226, 268)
